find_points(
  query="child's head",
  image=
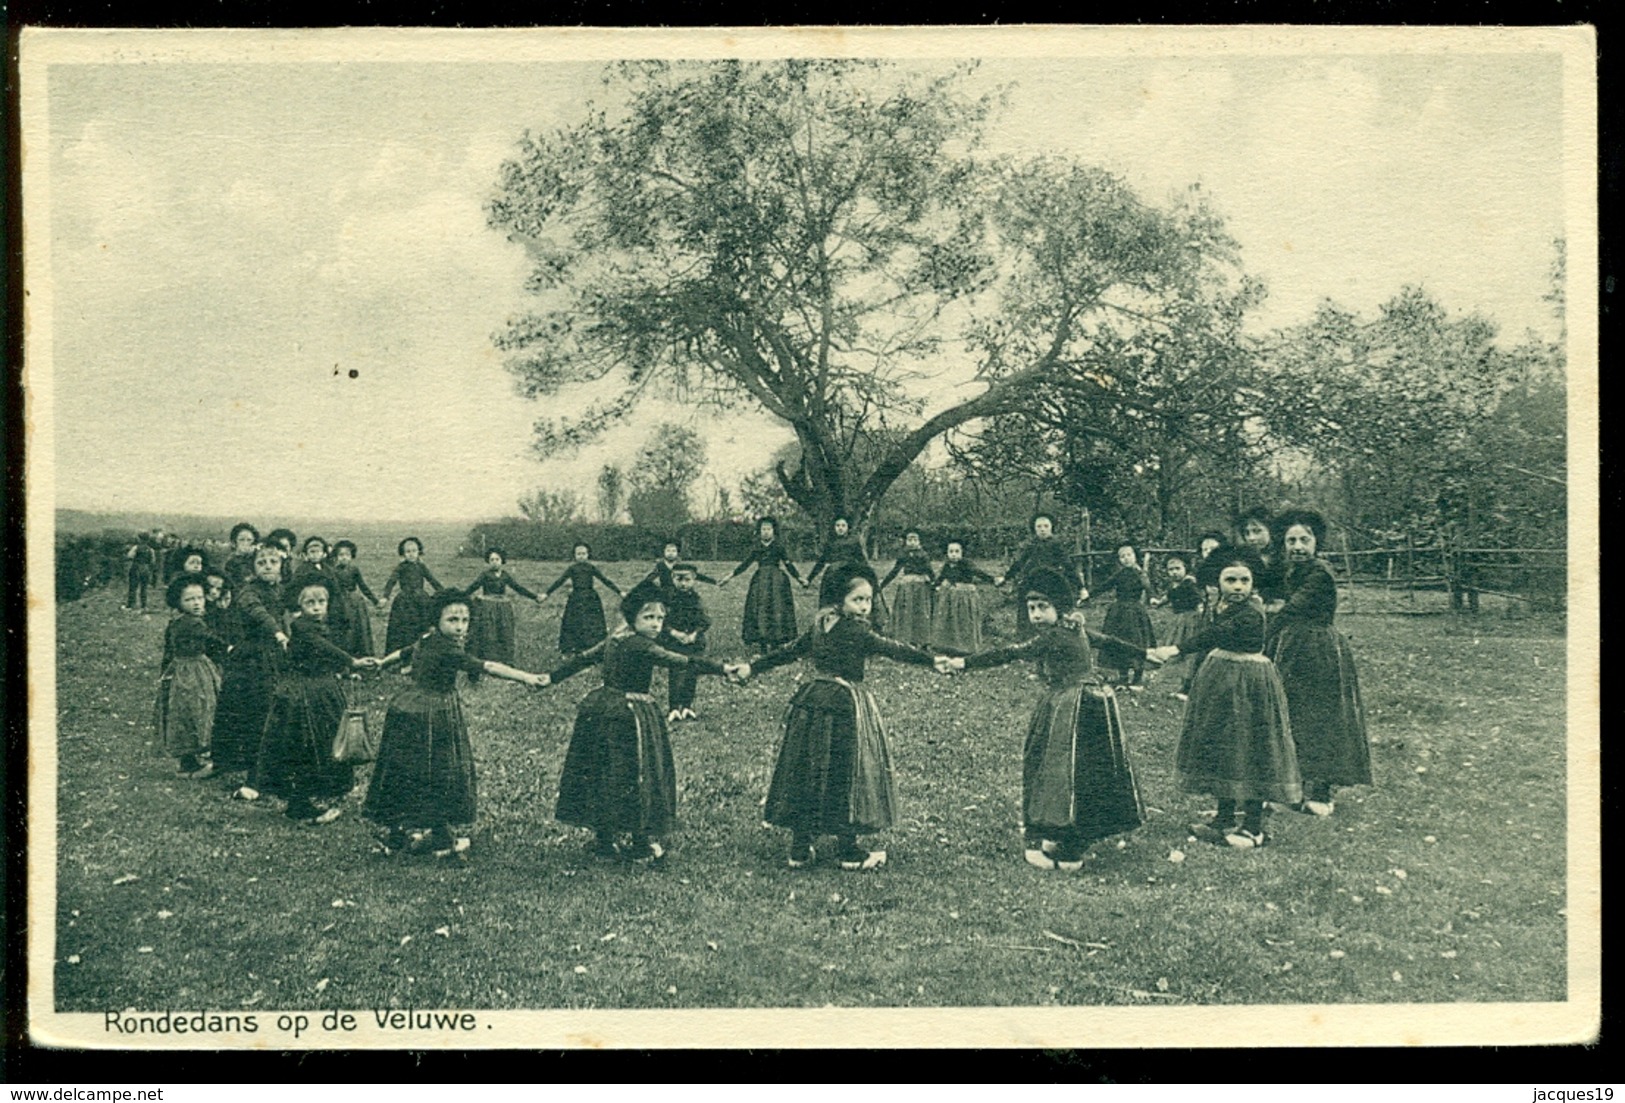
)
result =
(956, 551)
(643, 609)
(410, 549)
(582, 553)
(1303, 532)
(315, 549)
(185, 595)
(1126, 555)
(215, 587)
(1254, 528)
(284, 539)
(842, 526)
(449, 613)
(344, 551)
(1237, 568)
(1210, 542)
(496, 557)
(314, 598)
(684, 575)
(1042, 525)
(849, 589)
(268, 563)
(911, 540)
(243, 537)
(192, 560)
(670, 552)
(1175, 567)
(1049, 596)
(766, 529)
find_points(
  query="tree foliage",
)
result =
(820, 238)
(550, 506)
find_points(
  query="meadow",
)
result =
(1445, 882)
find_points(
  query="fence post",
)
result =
(1348, 562)
(1410, 571)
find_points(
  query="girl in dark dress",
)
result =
(1236, 742)
(424, 775)
(1257, 530)
(1042, 552)
(1127, 619)
(286, 540)
(770, 607)
(252, 667)
(295, 760)
(618, 776)
(491, 635)
(834, 774)
(582, 626)
(1183, 599)
(357, 598)
(313, 564)
(409, 612)
(189, 687)
(911, 601)
(239, 566)
(219, 615)
(1317, 669)
(1077, 784)
(845, 549)
(956, 613)
(1207, 581)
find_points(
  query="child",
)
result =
(1236, 742)
(684, 633)
(142, 559)
(1317, 668)
(1127, 619)
(834, 774)
(582, 626)
(240, 564)
(286, 540)
(252, 667)
(314, 564)
(661, 575)
(1256, 529)
(295, 760)
(1042, 552)
(1077, 784)
(1184, 601)
(491, 635)
(409, 613)
(189, 688)
(424, 774)
(192, 562)
(770, 608)
(618, 776)
(911, 605)
(356, 596)
(956, 616)
(219, 615)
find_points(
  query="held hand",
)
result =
(999, 581)
(543, 598)
(957, 664)
(943, 664)
(282, 639)
(1083, 595)
(540, 681)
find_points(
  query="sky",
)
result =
(274, 289)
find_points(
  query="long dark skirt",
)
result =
(834, 772)
(424, 775)
(583, 624)
(408, 619)
(1182, 626)
(618, 773)
(1128, 621)
(491, 636)
(188, 694)
(956, 619)
(1316, 666)
(245, 701)
(1076, 776)
(295, 759)
(1236, 743)
(358, 639)
(770, 610)
(911, 610)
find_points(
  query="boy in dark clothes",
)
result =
(684, 633)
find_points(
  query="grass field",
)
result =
(1443, 883)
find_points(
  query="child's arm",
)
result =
(896, 569)
(606, 580)
(1315, 596)
(789, 568)
(577, 663)
(521, 589)
(896, 650)
(698, 577)
(1000, 656)
(666, 658)
(428, 576)
(783, 656)
(557, 582)
(393, 583)
(514, 674)
(743, 564)
(361, 584)
(312, 640)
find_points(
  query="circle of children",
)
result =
(260, 659)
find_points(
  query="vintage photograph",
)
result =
(949, 537)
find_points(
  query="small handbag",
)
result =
(354, 742)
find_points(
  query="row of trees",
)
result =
(826, 241)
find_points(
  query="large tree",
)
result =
(820, 239)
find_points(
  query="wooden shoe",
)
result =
(860, 859)
(1242, 839)
(1038, 859)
